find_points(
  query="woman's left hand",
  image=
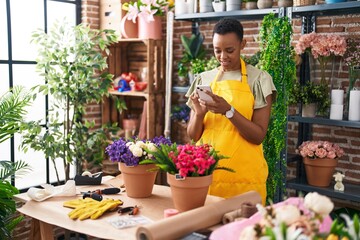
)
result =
(219, 106)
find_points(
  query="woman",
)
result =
(236, 121)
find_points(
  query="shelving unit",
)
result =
(308, 15)
(131, 55)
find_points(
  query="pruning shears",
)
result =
(97, 194)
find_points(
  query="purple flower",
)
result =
(161, 140)
(119, 152)
(123, 150)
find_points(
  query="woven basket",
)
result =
(304, 2)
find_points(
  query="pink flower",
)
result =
(320, 149)
(321, 152)
(321, 45)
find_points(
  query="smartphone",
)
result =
(202, 94)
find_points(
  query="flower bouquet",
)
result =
(320, 160)
(322, 47)
(189, 170)
(138, 179)
(295, 218)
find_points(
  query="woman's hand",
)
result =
(219, 106)
(199, 110)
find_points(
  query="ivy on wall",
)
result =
(277, 58)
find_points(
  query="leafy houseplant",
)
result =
(277, 59)
(72, 61)
(12, 111)
(311, 93)
(193, 50)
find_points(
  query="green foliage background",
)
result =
(277, 58)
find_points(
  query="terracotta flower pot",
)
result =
(319, 171)
(149, 29)
(189, 193)
(138, 180)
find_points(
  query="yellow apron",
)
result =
(245, 158)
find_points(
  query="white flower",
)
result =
(140, 144)
(318, 203)
(248, 233)
(287, 214)
(136, 151)
(128, 144)
(151, 147)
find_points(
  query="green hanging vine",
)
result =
(277, 58)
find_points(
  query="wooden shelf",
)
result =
(129, 93)
(134, 55)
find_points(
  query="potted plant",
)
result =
(13, 105)
(189, 169)
(312, 96)
(148, 14)
(72, 61)
(320, 160)
(130, 153)
(250, 4)
(193, 50)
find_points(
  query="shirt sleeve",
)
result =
(263, 87)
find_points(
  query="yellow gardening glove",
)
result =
(90, 208)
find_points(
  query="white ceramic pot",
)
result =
(218, 6)
(205, 6)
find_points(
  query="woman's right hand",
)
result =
(199, 109)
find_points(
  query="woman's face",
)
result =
(227, 50)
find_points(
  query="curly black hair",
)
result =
(229, 25)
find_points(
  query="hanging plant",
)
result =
(278, 59)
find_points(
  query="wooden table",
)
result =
(51, 212)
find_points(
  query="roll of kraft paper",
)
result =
(199, 218)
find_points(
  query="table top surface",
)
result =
(51, 211)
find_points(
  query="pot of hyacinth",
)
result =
(138, 178)
(189, 171)
(320, 159)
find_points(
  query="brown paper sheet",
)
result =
(184, 223)
(51, 211)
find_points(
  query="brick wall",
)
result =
(348, 138)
